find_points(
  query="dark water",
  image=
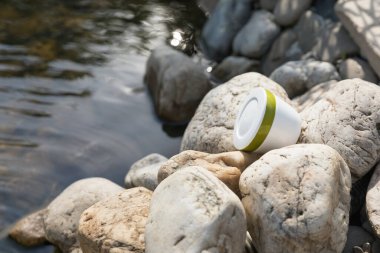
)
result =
(72, 99)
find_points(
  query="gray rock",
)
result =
(361, 19)
(268, 4)
(256, 37)
(356, 68)
(62, 215)
(278, 52)
(373, 201)
(227, 19)
(116, 224)
(192, 211)
(356, 236)
(376, 246)
(347, 118)
(334, 43)
(211, 128)
(144, 172)
(176, 83)
(299, 198)
(29, 231)
(299, 76)
(207, 6)
(233, 66)
(287, 12)
(308, 29)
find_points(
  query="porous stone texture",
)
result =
(334, 43)
(310, 24)
(361, 19)
(228, 17)
(116, 224)
(225, 166)
(356, 236)
(297, 200)
(280, 52)
(256, 37)
(373, 201)
(144, 172)
(29, 231)
(211, 128)
(176, 83)
(347, 118)
(62, 215)
(313, 95)
(233, 66)
(357, 68)
(268, 4)
(208, 217)
(287, 12)
(299, 76)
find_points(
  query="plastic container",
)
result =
(265, 122)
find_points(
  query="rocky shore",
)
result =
(321, 195)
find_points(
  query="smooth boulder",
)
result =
(206, 217)
(62, 215)
(116, 224)
(144, 172)
(297, 200)
(256, 37)
(177, 84)
(357, 68)
(211, 128)
(287, 12)
(233, 66)
(299, 76)
(227, 167)
(373, 202)
(347, 118)
(228, 17)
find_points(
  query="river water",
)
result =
(72, 99)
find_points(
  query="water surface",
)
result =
(72, 99)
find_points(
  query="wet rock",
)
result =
(362, 21)
(233, 66)
(62, 216)
(347, 118)
(313, 95)
(144, 172)
(357, 68)
(299, 198)
(176, 83)
(227, 19)
(287, 12)
(373, 201)
(299, 76)
(206, 216)
(256, 37)
(211, 128)
(279, 52)
(310, 24)
(29, 231)
(334, 43)
(225, 166)
(356, 236)
(268, 4)
(116, 224)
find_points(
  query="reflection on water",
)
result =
(72, 101)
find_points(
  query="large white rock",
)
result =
(347, 118)
(373, 201)
(176, 83)
(357, 68)
(192, 211)
(297, 200)
(61, 218)
(287, 12)
(256, 37)
(299, 76)
(144, 172)
(361, 19)
(116, 224)
(211, 128)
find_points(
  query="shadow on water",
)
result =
(72, 100)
